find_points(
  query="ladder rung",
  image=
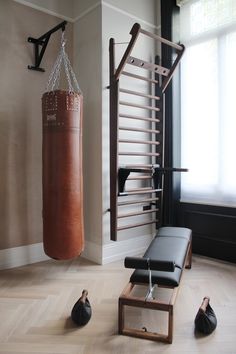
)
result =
(121, 115)
(140, 130)
(139, 94)
(125, 153)
(136, 225)
(148, 191)
(138, 189)
(140, 166)
(138, 169)
(139, 177)
(163, 40)
(139, 142)
(130, 104)
(137, 213)
(135, 201)
(139, 77)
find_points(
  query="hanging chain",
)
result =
(54, 77)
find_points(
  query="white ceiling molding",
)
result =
(86, 12)
(137, 19)
(43, 9)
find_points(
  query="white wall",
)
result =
(88, 67)
(96, 23)
(117, 23)
(144, 11)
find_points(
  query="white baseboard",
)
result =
(114, 251)
(22, 255)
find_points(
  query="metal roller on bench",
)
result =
(63, 230)
(149, 264)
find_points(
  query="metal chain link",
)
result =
(54, 77)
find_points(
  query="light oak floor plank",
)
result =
(36, 301)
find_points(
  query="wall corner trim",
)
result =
(92, 252)
(87, 11)
(118, 250)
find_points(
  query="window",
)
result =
(208, 101)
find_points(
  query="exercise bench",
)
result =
(162, 265)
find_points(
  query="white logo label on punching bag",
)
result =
(51, 117)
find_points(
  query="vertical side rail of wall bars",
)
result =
(114, 99)
(114, 116)
(161, 126)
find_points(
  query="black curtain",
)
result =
(170, 30)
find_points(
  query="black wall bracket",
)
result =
(43, 42)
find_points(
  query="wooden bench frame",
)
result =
(127, 299)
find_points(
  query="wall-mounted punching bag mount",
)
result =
(43, 42)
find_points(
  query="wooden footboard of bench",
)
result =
(128, 299)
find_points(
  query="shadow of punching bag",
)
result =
(81, 311)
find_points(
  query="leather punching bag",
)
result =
(63, 229)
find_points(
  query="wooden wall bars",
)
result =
(137, 124)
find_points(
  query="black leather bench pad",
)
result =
(161, 278)
(170, 244)
(171, 231)
(168, 249)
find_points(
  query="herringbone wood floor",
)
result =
(36, 300)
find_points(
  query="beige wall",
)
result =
(71, 9)
(20, 121)
(20, 108)
(63, 8)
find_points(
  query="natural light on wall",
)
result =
(208, 101)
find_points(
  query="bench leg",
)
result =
(170, 325)
(121, 319)
(189, 256)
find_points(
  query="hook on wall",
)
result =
(43, 42)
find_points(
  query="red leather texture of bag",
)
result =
(63, 226)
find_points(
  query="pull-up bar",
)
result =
(162, 40)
